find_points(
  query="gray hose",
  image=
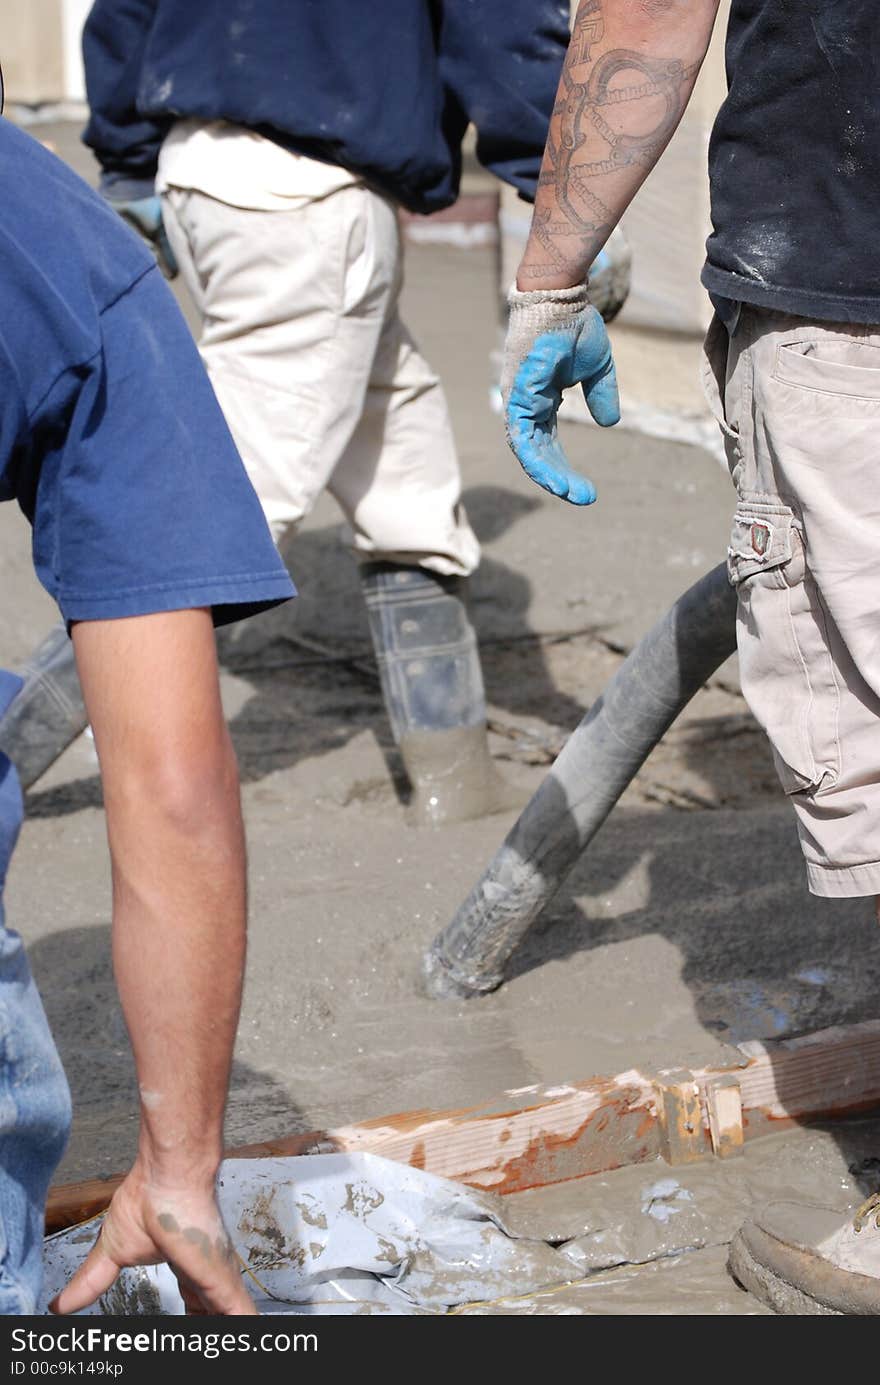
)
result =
(599, 760)
(48, 713)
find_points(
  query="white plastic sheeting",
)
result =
(342, 1233)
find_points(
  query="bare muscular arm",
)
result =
(628, 76)
(178, 859)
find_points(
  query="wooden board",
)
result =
(539, 1135)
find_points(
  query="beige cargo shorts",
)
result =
(798, 403)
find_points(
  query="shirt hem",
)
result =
(229, 599)
(806, 303)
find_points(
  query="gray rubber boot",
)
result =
(48, 714)
(432, 684)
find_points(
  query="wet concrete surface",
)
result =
(651, 1239)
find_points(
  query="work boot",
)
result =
(800, 1259)
(432, 685)
(48, 714)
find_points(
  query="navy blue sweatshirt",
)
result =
(385, 88)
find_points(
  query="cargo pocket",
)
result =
(787, 671)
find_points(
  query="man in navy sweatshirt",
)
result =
(265, 148)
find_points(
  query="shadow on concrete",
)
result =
(305, 703)
(311, 669)
(761, 957)
(73, 971)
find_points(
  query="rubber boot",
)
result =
(48, 714)
(432, 685)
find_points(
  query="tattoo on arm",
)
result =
(616, 111)
(589, 29)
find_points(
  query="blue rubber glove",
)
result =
(144, 215)
(555, 339)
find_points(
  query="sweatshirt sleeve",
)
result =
(501, 61)
(126, 142)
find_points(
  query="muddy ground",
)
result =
(685, 928)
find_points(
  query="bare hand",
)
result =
(146, 1225)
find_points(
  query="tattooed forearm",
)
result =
(627, 78)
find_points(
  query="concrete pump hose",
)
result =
(599, 760)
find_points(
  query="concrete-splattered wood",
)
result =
(723, 1098)
(683, 1131)
(540, 1135)
(833, 1073)
(527, 1138)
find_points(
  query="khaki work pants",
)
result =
(799, 405)
(321, 384)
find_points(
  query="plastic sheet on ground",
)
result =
(341, 1234)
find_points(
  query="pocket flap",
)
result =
(760, 538)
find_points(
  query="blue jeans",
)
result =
(34, 1096)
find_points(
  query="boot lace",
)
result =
(863, 1214)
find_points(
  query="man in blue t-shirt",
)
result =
(146, 532)
(792, 368)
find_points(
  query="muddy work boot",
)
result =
(432, 685)
(48, 714)
(806, 1260)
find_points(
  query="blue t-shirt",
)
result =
(111, 439)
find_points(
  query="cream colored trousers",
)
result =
(321, 384)
(799, 405)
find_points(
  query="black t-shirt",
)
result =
(794, 160)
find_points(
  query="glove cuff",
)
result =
(539, 310)
(576, 297)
